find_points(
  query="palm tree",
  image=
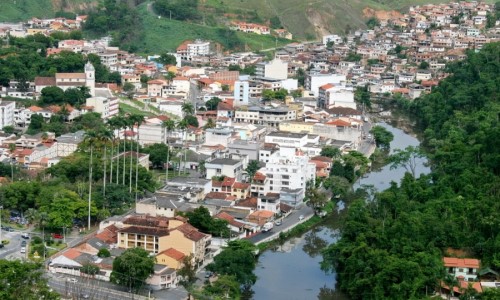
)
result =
(113, 124)
(187, 108)
(126, 124)
(182, 125)
(104, 136)
(138, 119)
(169, 126)
(31, 215)
(210, 124)
(90, 137)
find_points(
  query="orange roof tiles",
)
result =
(72, 253)
(173, 253)
(461, 262)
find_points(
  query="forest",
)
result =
(392, 247)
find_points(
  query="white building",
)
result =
(171, 106)
(218, 136)
(315, 80)
(241, 93)
(270, 202)
(7, 113)
(291, 139)
(107, 107)
(152, 131)
(286, 170)
(332, 38)
(330, 95)
(276, 69)
(462, 267)
(188, 50)
(265, 115)
(224, 167)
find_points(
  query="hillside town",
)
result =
(256, 144)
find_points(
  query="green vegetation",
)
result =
(129, 109)
(21, 10)
(382, 136)
(132, 268)
(391, 247)
(201, 219)
(23, 280)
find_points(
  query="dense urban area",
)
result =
(166, 176)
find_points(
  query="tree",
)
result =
(132, 268)
(158, 154)
(382, 136)
(23, 280)
(237, 259)
(406, 158)
(103, 252)
(36, 124)
(169, 125)
(317, 199)
(8, 129)
(200, 218)
(170, 76)
(187, 272)
(372, 22)
(90, 269)
(192, 121)
(187, 108)
(330, 151)
(212, 103)
(424, 65)
(167, 59)
(252, 168)
(225, 287)
(210, 124)
(129, 89)
(52, 95)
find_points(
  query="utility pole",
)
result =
(1, 210)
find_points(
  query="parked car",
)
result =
(23, 244)
(301, 217)
(208, 274)
(23, 249)
(25, 235)
(1, 245)
(277, 223)
(72, 280)
(57, 236)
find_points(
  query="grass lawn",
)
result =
(162, 34)
(125, 108)
(18, 10)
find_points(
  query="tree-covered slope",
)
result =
(391, 248)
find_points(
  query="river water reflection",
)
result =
(292, 271)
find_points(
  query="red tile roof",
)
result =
(72, 253)
(175, 254)
(461, 262)
(191, 232)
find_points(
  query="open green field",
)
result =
(161, 34)
(18, 10)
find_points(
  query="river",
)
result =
(292, 271)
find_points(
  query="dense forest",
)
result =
(392, 247)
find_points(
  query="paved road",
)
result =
(86, 288)
(13, 249)
(286, 224)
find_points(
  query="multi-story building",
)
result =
(218, 136)
(152, 131)
(330, 95)
(315, 80)
(276, 69)
(462, 267)
(7, 113)
(189, 49)
(224, 166)
(107, 107)
(241, 92)
(265, 115)
(291, 139)
(287, 170)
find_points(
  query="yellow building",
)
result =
(297, 127)
(188, 240)
(171, 257)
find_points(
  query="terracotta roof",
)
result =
(70, 76)
(45, 81)
(248, 202)
(259, 176)
(71, 253)
(343, 111)
(241, 185)
(323, 159)
(175, 254)
(461, 262)
(319, 164)
(145, 230)
(191, 232)
(145, 220)
(230, 219)
(35, 108)
(217, 195)
(327, 86)
(108, 235)
(339, 123)
(181, 78)
(228, 181)
(157, 81)
(224, 106)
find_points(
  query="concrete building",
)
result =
(241, 92)
(218, 136)
(224, 166)
(7, 113)
(291, 139)
(315, 80)
(69, 80)
(462, 267)
(330, 95)
(152, 131)
(275, 69)
(286, 170)
(244, 147)
(107, 107)
(265, 115)
(189, 49)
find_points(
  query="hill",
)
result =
(18, 10)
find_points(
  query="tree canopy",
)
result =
(392, 246)
(132, 268)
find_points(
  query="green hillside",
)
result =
(18, 10)
(161, 34)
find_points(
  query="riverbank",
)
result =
(289, 265)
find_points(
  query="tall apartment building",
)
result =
(315, 80)
(7, 113)
(276, 69)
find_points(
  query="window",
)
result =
(285, 182)
(460, 270)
